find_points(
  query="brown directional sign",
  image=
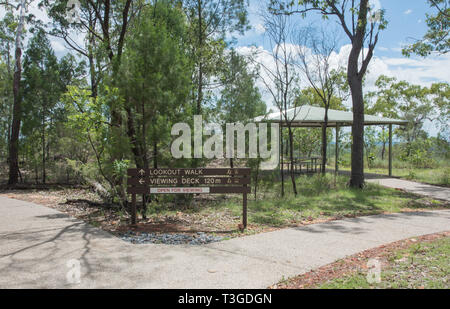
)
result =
(195, 172)
(189, 181)
(186, 181)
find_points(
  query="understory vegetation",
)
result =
(422, 266)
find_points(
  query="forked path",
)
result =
(435, 192)
(36, 244)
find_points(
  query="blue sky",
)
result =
(407, 21)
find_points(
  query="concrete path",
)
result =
(36, 243)
(435, 192)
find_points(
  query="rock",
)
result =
(169, 239)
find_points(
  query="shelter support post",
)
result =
(281, 151)
(390, 150)
(336, 168)
(282, 160)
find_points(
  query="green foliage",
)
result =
(88, 122)
(418, 153)
(121, 167)
(210, 22)
(240, 100)
(416, 104)
(155, 83)
(370, 144)
(437, 39)
(44, 81)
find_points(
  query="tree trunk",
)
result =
(8, 137)
(383, 148)
(355, 77)
(155, 154)
(131, 132)
(256, 180)
(291, 154)
(43, 150)
(324, 142)
(200, 63)
(282, 161)
(357, 174)
(92, 74)
(17, 108)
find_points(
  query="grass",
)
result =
(319, 198)
(433, 176)
(422, 266)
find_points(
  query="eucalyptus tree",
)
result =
(437, 38)
(212, 22)
(103, 27)
(7, 34)
(98, 32)
(5, 109)
(281, 79)
(21, 6)
(415, 103)
(440, 93)
(362, 25)
(240, 99)
(315, 50)
(155, 81)
(44, 81)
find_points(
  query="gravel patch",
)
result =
(170, 239)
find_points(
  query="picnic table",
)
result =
(303, 165)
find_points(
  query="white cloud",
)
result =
(57, 46)
(418, 71)
(407, 12)
(259, 29)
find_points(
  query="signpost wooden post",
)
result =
(189, 181)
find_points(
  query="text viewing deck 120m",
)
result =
(189, 181)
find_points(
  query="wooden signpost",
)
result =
(188, 181)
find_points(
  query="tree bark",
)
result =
(155, 154)
(291, 154)
(200, 64)
(357, 174)
(282, 161)
(17, 108)
(43, 148)
(355, 79)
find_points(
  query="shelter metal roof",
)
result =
(312, 116)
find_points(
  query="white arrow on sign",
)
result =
(142, 172)
(141, 181)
